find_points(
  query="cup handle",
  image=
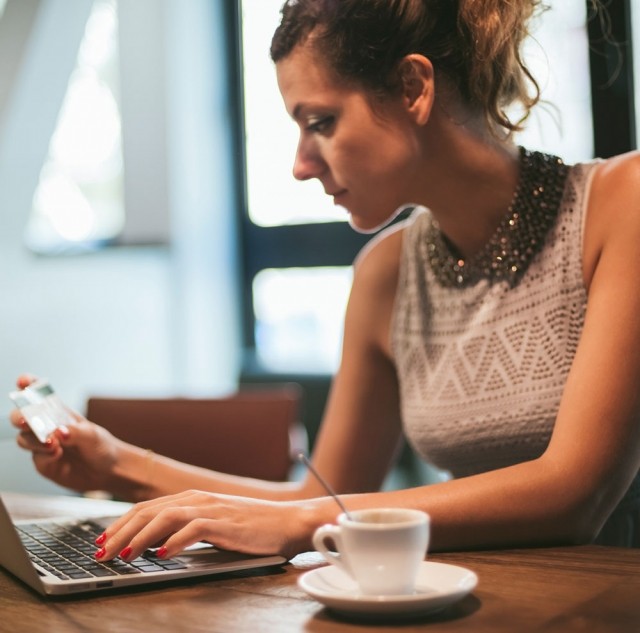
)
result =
(333, 532)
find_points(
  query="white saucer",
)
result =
(438, 586)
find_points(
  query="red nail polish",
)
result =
(126, 552)
(100, 553)
(161, 552)
(63, 432)
(101, 539)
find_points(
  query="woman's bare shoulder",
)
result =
(613, 215)
(617, 179)
(379, 260)
(373, 292)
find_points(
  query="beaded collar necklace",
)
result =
(519, 236)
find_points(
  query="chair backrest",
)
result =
(252, 432)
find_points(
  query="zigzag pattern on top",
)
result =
(482, 368)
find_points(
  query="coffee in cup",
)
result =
(380, 548)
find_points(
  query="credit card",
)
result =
(42, 409)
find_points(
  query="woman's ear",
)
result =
(417, 79)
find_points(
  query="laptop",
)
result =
(55, 557)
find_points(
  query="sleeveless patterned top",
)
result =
(482, 368)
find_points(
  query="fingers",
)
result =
(27, 440)
(172, 521)
(62, 434)
(153, 506)
(178, 521)
(145, 531)
(169, 522)
(196, 530)
(16, 418)
(24, 380)
(43, 460)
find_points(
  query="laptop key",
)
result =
(171, 564)
(149, 568)
(102, 572)
(125, 571)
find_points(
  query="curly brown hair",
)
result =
(475, 43)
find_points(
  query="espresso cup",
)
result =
(381, 549)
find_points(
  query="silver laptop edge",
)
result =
(199, 562)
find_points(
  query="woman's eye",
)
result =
(320, 125)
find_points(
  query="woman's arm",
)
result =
(356, 446)
(355, 449)
(84, 456)
(568, 493)
(360, 433)
(563, 496)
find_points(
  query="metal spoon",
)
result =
(304, 459)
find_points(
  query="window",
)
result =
(78, 202)
(274, 197)
(297, 295)
(558, 55)
(298, 315)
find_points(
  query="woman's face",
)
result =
(365, 159)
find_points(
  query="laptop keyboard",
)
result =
(67, 551)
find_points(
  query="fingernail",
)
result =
(49, 443)
(161, 552)
(23, 423)
(64, 432)
(100, 553)
(126, 552)
(101, 539)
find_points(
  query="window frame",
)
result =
(612, 81)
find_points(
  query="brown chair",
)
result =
(253, 432)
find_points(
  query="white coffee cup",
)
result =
(381, 549)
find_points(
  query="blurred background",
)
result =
(153, 241)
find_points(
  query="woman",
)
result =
(498, 329)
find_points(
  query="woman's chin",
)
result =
(367, 225)
(358, 225)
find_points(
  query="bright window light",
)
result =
(79, 199)
(558, 55)
(275, 197)
(299, 314)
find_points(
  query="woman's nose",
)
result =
(307, 163)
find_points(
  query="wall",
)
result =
(127, 320)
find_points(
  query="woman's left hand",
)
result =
(233, 523)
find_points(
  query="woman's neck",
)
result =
(468, 181)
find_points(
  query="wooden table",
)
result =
(563, 589)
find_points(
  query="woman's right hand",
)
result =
(80, 456)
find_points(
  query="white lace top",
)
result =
(482, 368)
